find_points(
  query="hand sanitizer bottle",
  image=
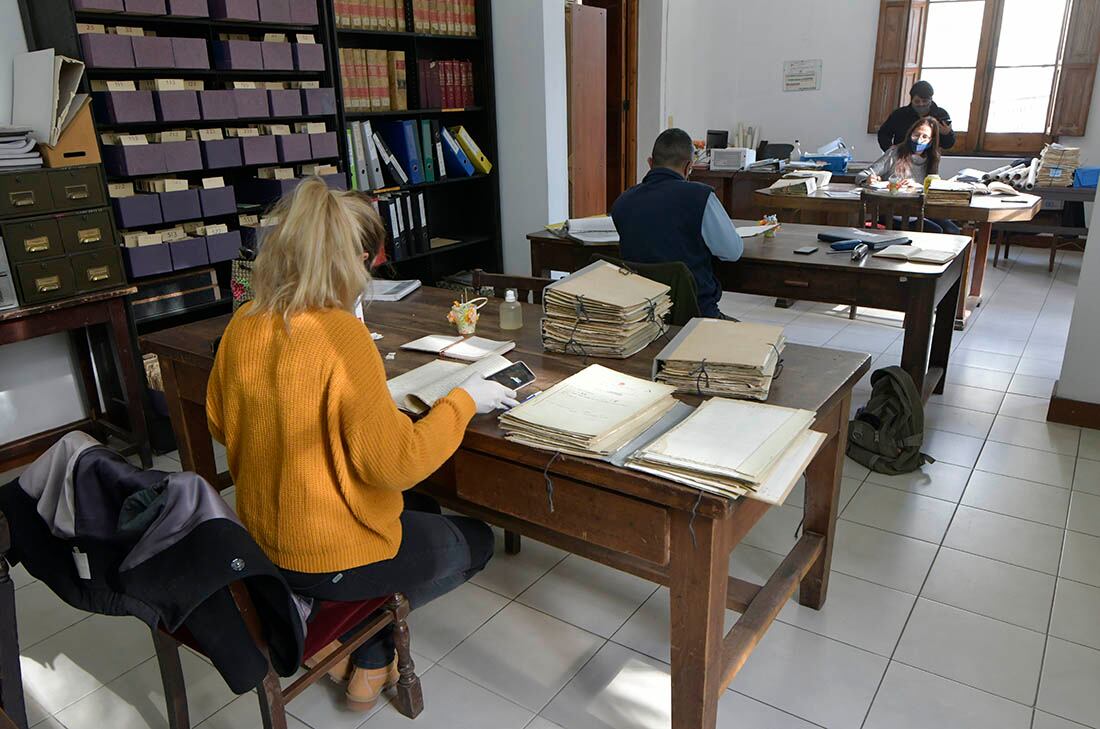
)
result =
(796, 153)
(511, 312)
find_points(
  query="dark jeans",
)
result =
(437, 554)
(934, 226)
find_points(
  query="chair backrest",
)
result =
(896, 212)
(525, 286)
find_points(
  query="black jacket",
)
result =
(161, 547)
(896, 126)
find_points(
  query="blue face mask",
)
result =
(918, 147)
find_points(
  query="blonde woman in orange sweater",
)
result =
(319, 453)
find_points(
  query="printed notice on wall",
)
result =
(802, 75)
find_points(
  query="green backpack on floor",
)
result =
(887, 432)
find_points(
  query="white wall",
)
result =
(529, 57)
(1078, 380)
(11, 42)
(651, 70)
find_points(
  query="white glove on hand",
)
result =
(488, 395)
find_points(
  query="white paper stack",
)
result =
(591, 414)
(734, 448)
(1057, 165)
(18, 148)
(603, 311)
(725, 358)
(597, 230)
(382, 290)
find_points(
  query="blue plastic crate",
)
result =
(833, 162)
(1086, 176)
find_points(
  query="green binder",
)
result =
(427, 150)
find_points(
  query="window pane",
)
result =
(1030, 32)
(952, 34)
(1019, 99)
(954, 91)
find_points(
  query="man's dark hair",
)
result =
(673, 148)
(922, 89)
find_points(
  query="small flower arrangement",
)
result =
(464, 314)
(770, 220)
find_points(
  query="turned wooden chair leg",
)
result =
(171, 674)
(272, 705)
(852, 311)
(410, 698)
(512, 542)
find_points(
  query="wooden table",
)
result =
(1072, 226)
(983, 212)
(735, 188)
(656, 529)
(99, 313)
(769, 267)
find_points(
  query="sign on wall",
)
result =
(802, 75)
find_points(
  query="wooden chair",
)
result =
(12, 705)
(898, 212)
(331, 620)
(525, 286)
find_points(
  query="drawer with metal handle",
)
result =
(41, 281)
(101, 269)
(30, 240)
(25, 194)
(82, 232)
(77, 187)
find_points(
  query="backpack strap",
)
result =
(904, 383)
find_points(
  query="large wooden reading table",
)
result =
(656, 529)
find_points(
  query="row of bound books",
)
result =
(445, 84)
(440, 17)
(409, 152)
(445, 17)
(373, 80)
(383, 15)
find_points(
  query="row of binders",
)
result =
(410, 152)
(405, 216)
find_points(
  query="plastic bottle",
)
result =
(796, 153)
(511, 313)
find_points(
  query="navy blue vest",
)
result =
(661, 220)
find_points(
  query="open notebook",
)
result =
(467, 349)
(913, 254)
(418, 390)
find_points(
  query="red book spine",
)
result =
(468, 83)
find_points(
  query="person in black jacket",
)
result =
(895, 129)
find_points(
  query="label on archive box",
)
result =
(205, 135)
(213, 183)
(305, 84)
(193, 84)
(173, 234)
(132, 140)
(242, 84)
(319, 170)
(234, 36)
(275, 38)
(120, 189)
(161, 184)
(246, 220)
(163, 84)
(277, 130)
(217, 229)
(127, 30)
(307, 38)
(173, 135)
(243, 132)
(137, 239)
(83, 28)
(275, 173)
(275, 85)
(310, 128)
(99, 85)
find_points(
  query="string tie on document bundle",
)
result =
(701, 377)
(550, 481)
(778, 361)
(691, 521)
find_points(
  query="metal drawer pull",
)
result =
(76, 192)
(799, 284)
(47, 284)
(36, 244)
(89, 235)
(22, 199)
(99, 273)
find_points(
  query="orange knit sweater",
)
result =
(318, 450)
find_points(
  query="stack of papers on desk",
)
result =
(794, 186)
(726, 358)
(598, 230)
(734, 448)
(18, 148)
(382, 290)
(947, 192)
(603, 311)
(591, 414)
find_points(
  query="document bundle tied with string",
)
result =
(726, 358)
(603, 310)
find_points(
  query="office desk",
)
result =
(769, 267)
(735, 188)
(656, 529)
(982, 212)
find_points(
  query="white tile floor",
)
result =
(965, 596)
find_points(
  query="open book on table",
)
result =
(418, 390)
(467, 349)
(913, 254)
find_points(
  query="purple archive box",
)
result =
(293, 147)
(238, 55)
(217, 104)
(337, 181)
(309, 56)
(235, 10)
(319, 101)
(304, 12)
(189, 8)
(147, 260)
(138, 159)
(285, 102)
(145, 7)
(123, 107)
(223, 246)
(218, 154)
(277, 56)
(259, 150)
(323, 146)
(251, 103)
(274, 11)
(188, 253)
(137, 211)
(180, 205)
(182, 156)
(151, 51)
(107, 51)
(218, 201)
(261, 192)
(176, 106)
(106, 6)
(191, 53)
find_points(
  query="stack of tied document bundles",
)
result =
(603, 310)
(591, 414)
(948, 192)
(725, 358)
(734, 448)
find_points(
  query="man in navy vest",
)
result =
(666, 218)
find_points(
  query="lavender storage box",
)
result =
(188, 253)
(191, 53)
(152, 52)
(217, 104)
(319, 101)
(238, 55)
(189, 8)
(221, 153)
(304, 12)
(147, 260)
(123, 107)
(145, 7)
(293, 147)
(323, 146)
(277, 56)
(259, 150)
(337, 181)
(309, 56)
(285, 102)
(107, 51)
(224, 246)
(261, 192)
(182, 156)
(274, 11)
(235, 10)
(140, 159)
(251, 103)
(180, 205)
(174, 106)
(137, 211)
(106, 6)
(218, 201)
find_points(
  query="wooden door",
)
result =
(586, 59)
(622, 94)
